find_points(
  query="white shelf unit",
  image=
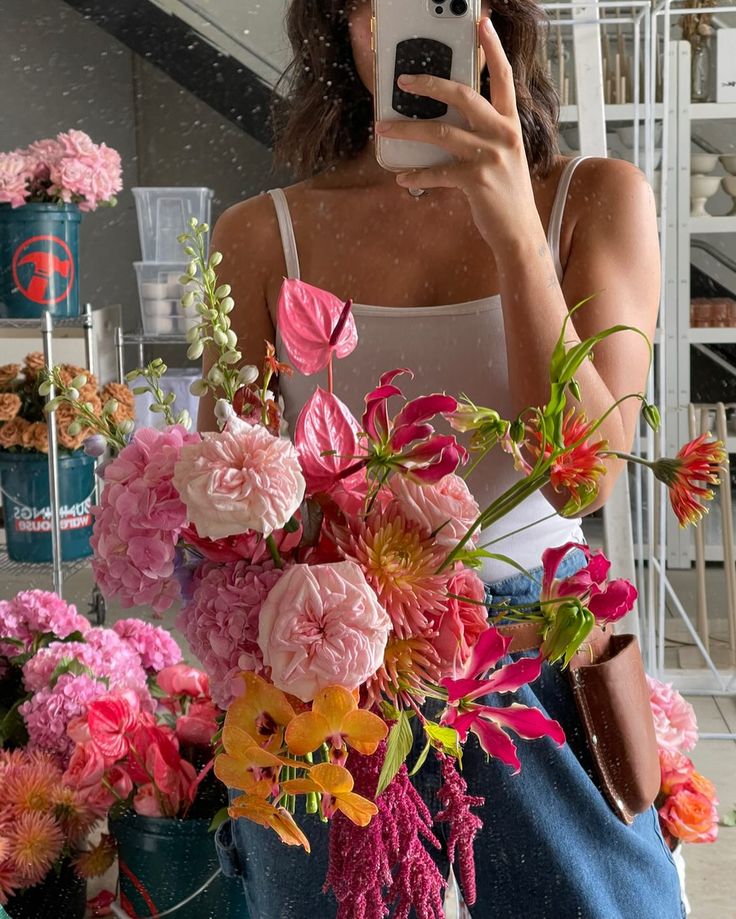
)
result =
(681, 229)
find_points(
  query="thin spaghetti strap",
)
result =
(286, 228)
(558, 209)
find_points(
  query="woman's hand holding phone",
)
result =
(490, 164)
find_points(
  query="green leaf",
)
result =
(72, 636)
(496, 556)
(421, 758)
(729, 819)
(399, 744)
(220, 817)
(444, 738)
(16, 642)
(155, 689)
(389, 711)
(13, 727)
(70, 665)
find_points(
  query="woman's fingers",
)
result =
(433, 177)
(471, 105)
(503, 94)
(460, 143)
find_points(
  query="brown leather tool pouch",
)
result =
(612, 696)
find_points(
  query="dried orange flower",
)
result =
(9, 406)
(8, 373)
(11, 433)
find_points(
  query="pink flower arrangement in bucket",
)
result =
(329, 586)
(43, 190)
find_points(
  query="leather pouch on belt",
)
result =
(613, 701)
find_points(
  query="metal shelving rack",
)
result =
(57, 568)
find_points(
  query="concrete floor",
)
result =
(711, 869)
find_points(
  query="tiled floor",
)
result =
(711, 869)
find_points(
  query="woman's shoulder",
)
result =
(606, 189)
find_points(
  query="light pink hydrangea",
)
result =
(37, 612)
(85, 172)
(221, 621)
(446, 508)
(48, 712)
(241, 479)
(103, 652)
(139, 519)
(675, 723)
(155, 647)
(322, 625)
(16, 172)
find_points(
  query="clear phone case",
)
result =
(421, 36)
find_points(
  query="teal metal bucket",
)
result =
(165, 861)
(39, 260)
(26, 495)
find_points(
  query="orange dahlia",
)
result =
(9, 880)
(687, 476)
(408, 664)
(35, 842)
(400, 563)
(31, 787)
(75, 817)
(96, 861)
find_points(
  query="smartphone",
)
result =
(421, 36)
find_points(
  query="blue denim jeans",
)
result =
(550, 847)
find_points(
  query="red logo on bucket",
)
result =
(34, 266)
(38, 519)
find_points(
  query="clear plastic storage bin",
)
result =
(163, 214)
(160, 294)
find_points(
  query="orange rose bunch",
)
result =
(687, 804)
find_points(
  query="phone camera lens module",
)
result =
(438, 9)
(459, 7)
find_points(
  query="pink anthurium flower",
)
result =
(407, 442)
(314, 325)
(489, 722)
(110, 719)
(326, 439)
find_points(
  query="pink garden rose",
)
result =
(16, 171)
(446, 507)
(86, 766)
(199, 725)
(241, 479)
(674, 718)
(463, 621)
(320, 626)
(183, 680)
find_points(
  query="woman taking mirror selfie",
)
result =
(465, 270)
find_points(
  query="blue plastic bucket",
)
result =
(24, 480)
(39, 260)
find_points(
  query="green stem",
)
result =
(273, 550)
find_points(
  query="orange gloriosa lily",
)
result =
(277, 818)
(336, 720)
(262, 712)
(335, 785)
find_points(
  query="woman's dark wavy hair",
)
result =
(326, 114)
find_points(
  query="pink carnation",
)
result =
(322, 625)
(154, 646)
(16, 172)
(37, 612)
(674, 718)
(241, 479)
(49, 711)
(221, 621)
(139, 519)
(446, 507)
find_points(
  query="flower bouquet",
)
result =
(44, 188)
(329, 584)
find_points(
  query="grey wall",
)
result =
(58, 71)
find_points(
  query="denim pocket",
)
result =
(227, 851)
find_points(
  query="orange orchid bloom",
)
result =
(335, 719)
(262, 712)
(335, 784)
(248, 767)
(277, 818)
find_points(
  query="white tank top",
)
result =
(456, 349)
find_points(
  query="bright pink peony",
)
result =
(445, 508)
(154, 646)
(674, 718)
(139, 519)
(183, 680)
(322, 625)
(462, 623)
(221, 621)
(16, 172)
(48, 712)
(241, 479)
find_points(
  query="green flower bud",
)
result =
(247, 375)
(74, 428)
(182, 238)
(52, 405)
(232, 339)
(192, 334)
(72, 394)
(184, 418)
(231, 357)
(189, 251)
(215, 259)
(574, 388)
(227, 304)
(216, 376)
(140, 390)
(79, 382)
(195, 350)
(210, 276)
(193, 223)
(126, 427)
(203, 309)
(191, 269)
(158, 409)
(651, 416)
(199, 388)
(45, 388)
(223, 291)
(132, 375)
(111, 406)
(220, 338)
(517, 431)
(187, 300)
(203, 228)
(184, 280)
